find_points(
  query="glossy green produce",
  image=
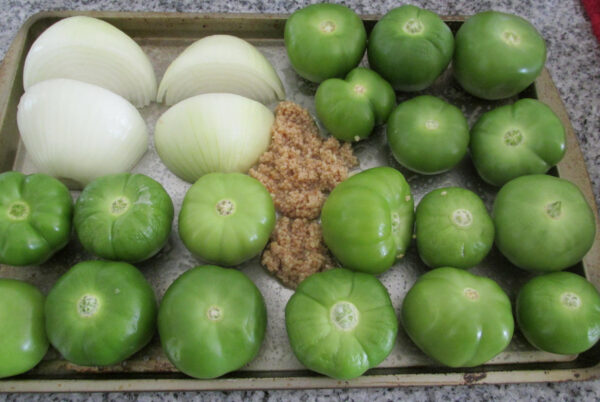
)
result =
(453, 228)
(100, 312)
(559, 313)
(24, 341)
(367, 220)
(543, 223)
(457, 318)
(497, 55)
(35, 218)
(124, 217)
(211, 321)
(428, 135)
(226, 218)
(515, 140)
(410, 47)
(324, 41)
(341, 323)
(350, 109)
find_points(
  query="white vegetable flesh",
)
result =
(220, 64)
(213, 133)
(77, 131)
(94, 51)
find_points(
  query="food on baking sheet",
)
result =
(457, 318)
(296, 251)
(24, 342)
(211, 321)
(226, 218)
(341, 323)
(324, 41)
(543, 223)
(35, 218)
(300, 167)
(453, 228)
(212, 133)
(91, 50)
(100, 313)
(515, 140)
(220, 63)
(77, 131)
(368, 220)
(350, 108)
(410, 47)
(123, 217)
(497, 55)
(427, 134)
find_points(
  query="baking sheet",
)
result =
(276, 357)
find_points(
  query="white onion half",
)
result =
(213, 133)
(77, 131)
(91, 50)
(220, 63)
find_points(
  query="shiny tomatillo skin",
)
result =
(427, 134)
(211, 321)
(124, 217)
(350, 109)
(324, 41)
(543, 223)
(226, 218)
(341, 323)
(35, 218)
(457, 318)
(453, 228)
(100, 313)
(515, 140)
(24, 342)
(410, 47)
(559, 313)
(367, 220)
(497, 55)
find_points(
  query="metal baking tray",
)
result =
(163, 36)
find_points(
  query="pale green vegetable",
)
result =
(94, 51)
(77, 132)
(213, 133)
(220, 64)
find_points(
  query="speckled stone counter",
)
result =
(574, 63)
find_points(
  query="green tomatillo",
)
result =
(367, 220)
(559, 313)
(453, 228)
(457, 318)
(543, 223)
(100, 313)
(497, 55)
(124, 217)
(211, 321)
(350, 109)
(35, 218)
(24, 342)
(324, 41)
(226, 218)
(427, 134)
(341, 323)
(515, 140)
(410, 47)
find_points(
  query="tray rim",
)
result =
(572, 167)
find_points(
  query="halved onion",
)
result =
(91, 50)
(213, 133)
(220, 63)
(77, 131)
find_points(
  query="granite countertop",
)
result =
(573, 62)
